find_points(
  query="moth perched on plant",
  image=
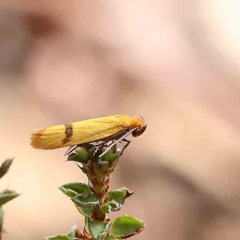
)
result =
(115, 128)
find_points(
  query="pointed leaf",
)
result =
(82, 196)
(111, 206)
(1, 219)
(116, 200)
(73, 232)
(5, 167)
(91, 152)
(107, 156)
(103, 163)
(85, 211)
(98, 173)
(106, 208)
(74, 188)
(114, 157)
(126, 226)
(85, 208)
(84, 203)
(84, 169)
(82, 154)
(59, 237)
(98, 229)
(73, 157)
(119, 195)
(7, 196)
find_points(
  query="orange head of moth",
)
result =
(140, 125)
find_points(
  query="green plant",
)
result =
(94, 200)
(5, 195)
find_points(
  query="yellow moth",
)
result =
(115, 127)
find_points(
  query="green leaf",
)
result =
(126, 226)
(82, 196)
(7, 196)
(114, 157)
(116, 200)
(91, 152)
(98, 173)
(82, 154)
(89, 163)
(5, 167)
(84, 169)
(111, 206)
(72, 233)
(1, 219)
(75, 188)
(119, 195)
(107, 156)
(73, 157)
(98, 229)
(85, 211)
(105, 208)
(84, 203)
(103, 163)
(59, 237)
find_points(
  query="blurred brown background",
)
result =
(173, 62)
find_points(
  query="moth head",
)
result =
(141, 128)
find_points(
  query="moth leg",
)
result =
(125, 144)
(74, 147)
(71, 149)
(98, 143)
(118, 140)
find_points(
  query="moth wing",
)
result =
(94, 131)
(48, 138)
(82, 132)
